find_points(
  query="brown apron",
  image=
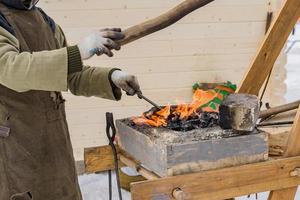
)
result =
(36, 157)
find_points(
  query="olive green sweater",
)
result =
(56, 70)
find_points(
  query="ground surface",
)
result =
(95, 187)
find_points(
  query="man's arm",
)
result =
(23, 71)
(91, 81)
(60, 69)
(94, 81)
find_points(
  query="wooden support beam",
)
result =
(222, 183)
(99, 159)
(162, 21)
(293, 149)
(271, 48)
(141, 170)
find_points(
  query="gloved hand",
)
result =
(126, 82)
(100, 42)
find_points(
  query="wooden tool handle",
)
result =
(162, 21)
(279, 109)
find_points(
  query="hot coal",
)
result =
(201, 120)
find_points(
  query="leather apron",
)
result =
(36, 156)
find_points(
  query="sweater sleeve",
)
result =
(23, 71)
(90, 81)
(94, 81)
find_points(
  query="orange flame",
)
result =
(183, 111)
(156, 120)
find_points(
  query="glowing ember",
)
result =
(203, 110)
(157, 119)
(182, 112)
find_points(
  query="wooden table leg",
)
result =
(293, 149)
(284, 194)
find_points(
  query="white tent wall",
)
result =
(213, 44)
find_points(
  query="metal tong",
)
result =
(111, 134)
(141, 96)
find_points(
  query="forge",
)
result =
(168, 152)
(192, 137)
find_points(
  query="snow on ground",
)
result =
(293, 68)
(95, 186)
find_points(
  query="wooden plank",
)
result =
(131, 4)
(223, 183)
(127, 17)
(271, 48)
(283, 194)
(141, 170)
(293, 149)
(214, 32)
(156, 83)
(178, 64)
(99, 159)
(278, 137)
(175, 95)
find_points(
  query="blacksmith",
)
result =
(36, 158)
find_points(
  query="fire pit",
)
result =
(187, 138)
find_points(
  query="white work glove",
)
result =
(100, 42)
(126, 82)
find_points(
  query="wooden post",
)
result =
(262, 66)
(271, 48)
(293, 149)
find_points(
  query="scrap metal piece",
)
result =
(239, 112)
